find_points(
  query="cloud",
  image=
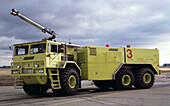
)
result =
(6, 53)
(89, 22)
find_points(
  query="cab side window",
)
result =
(60, 49)
(53, 48)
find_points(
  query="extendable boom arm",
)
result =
(44, 29)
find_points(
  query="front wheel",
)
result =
(35, 89)
(69, 80)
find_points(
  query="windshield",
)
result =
(38, 48)
(21, 50)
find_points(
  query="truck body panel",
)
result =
(99, 63)
(139, 55)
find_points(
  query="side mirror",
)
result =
(10, 46)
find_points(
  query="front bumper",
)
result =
(29, 73)
(28, 68)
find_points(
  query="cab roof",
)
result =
(44, 41)
(34, 42)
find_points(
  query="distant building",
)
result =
(166, 65)
(5, 67)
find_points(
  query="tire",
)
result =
(104, 85)
(124, 80)
(35, 89)
(144, 78)
(69, 80)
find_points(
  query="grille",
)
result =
(27, 71)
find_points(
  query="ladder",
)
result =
(54, 77)
(18, 84)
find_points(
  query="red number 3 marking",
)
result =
(130, 53)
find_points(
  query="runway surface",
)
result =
(89, 95)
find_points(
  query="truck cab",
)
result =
(33, 62)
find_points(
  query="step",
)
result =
(56, 85)
(57, 88)
(55, 80)
(54, 74)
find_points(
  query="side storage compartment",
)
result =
(137, 55)
(99, 63)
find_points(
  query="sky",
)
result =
(139, 23)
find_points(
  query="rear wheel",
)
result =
(35, 89)
(124, 79)
(144, 78)
(69, 80)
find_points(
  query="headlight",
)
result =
(41, 70)
(36, 65)
(18, 66)
(14, 72)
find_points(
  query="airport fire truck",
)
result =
(47, 64)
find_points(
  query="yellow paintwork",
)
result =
(147, 78)
(126, 80)
(35, 79)
(99, 66)
(72, 81)
(99, 63)
(55, 83)
(150, 56)
(48, 60)
(96, 63)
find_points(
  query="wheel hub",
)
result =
(126, 80)
(72, 81)
(147, 78)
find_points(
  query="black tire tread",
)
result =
(117, 85)
(139, 83)
(65, 90)
(35, 89)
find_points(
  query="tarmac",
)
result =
(90, 95)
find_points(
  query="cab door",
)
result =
(54, 55)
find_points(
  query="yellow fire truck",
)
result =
(48, 64)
